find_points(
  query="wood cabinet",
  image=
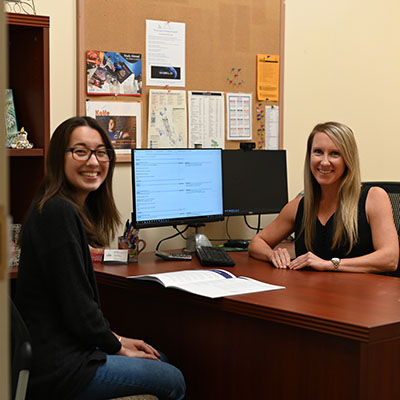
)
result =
(28, 77)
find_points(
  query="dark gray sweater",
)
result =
(59, 301)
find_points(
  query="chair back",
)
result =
(393, 191)
(21, 354)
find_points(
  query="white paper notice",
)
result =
(206, 119)
(167, 125)
(113, 256)
(271, 127)
(165, 53)
(239, 116)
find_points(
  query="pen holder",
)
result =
(133, 244)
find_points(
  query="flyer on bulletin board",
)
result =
(111, 73)
(239, 116)
(165, 53)
(167, 124)
(267, 77)
(272, 127)
(121, 120)
(206, 119)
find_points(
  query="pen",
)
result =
(130, 231)
(127, 225)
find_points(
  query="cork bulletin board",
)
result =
(220, 35)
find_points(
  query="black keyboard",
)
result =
(214, 257)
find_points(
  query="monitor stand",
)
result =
(196, 239)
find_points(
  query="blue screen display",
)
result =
(176, 186)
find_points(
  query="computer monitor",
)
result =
(255, 181)
(176, 187)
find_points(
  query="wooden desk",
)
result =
(326, 336)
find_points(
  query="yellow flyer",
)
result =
(267, 77)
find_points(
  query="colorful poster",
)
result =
(239, 116)
(122, 121)
(110, 73)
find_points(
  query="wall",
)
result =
(62, 57)
(340, 64)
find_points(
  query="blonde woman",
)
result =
(338, 224)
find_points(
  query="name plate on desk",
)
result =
(112, 256)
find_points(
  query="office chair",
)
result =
(393, 190)
(21, 354)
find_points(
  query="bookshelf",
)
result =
(28, 70)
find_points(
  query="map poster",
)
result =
(167, 125)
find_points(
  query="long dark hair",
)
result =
(99, 213)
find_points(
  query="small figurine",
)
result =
(22, 140)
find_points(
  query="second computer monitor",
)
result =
(255, 182)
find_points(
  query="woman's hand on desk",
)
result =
(137, 348)
(311, 260)
(280, 258)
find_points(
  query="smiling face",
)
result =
(326, 162)
(85, 176)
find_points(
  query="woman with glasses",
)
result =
(76, 354)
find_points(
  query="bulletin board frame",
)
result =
(220, 35)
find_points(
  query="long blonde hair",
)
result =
(346, 216)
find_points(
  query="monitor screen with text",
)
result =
(176, 186)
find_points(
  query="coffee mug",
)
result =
(133, 244)
(96, 254)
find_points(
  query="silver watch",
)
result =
(335, 261)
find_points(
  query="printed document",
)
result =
(206, 119)
(239, 116)
(271, 127)
(211, 283)
(165, 53)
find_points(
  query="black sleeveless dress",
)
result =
(324, 234)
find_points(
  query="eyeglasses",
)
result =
(84, 154)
